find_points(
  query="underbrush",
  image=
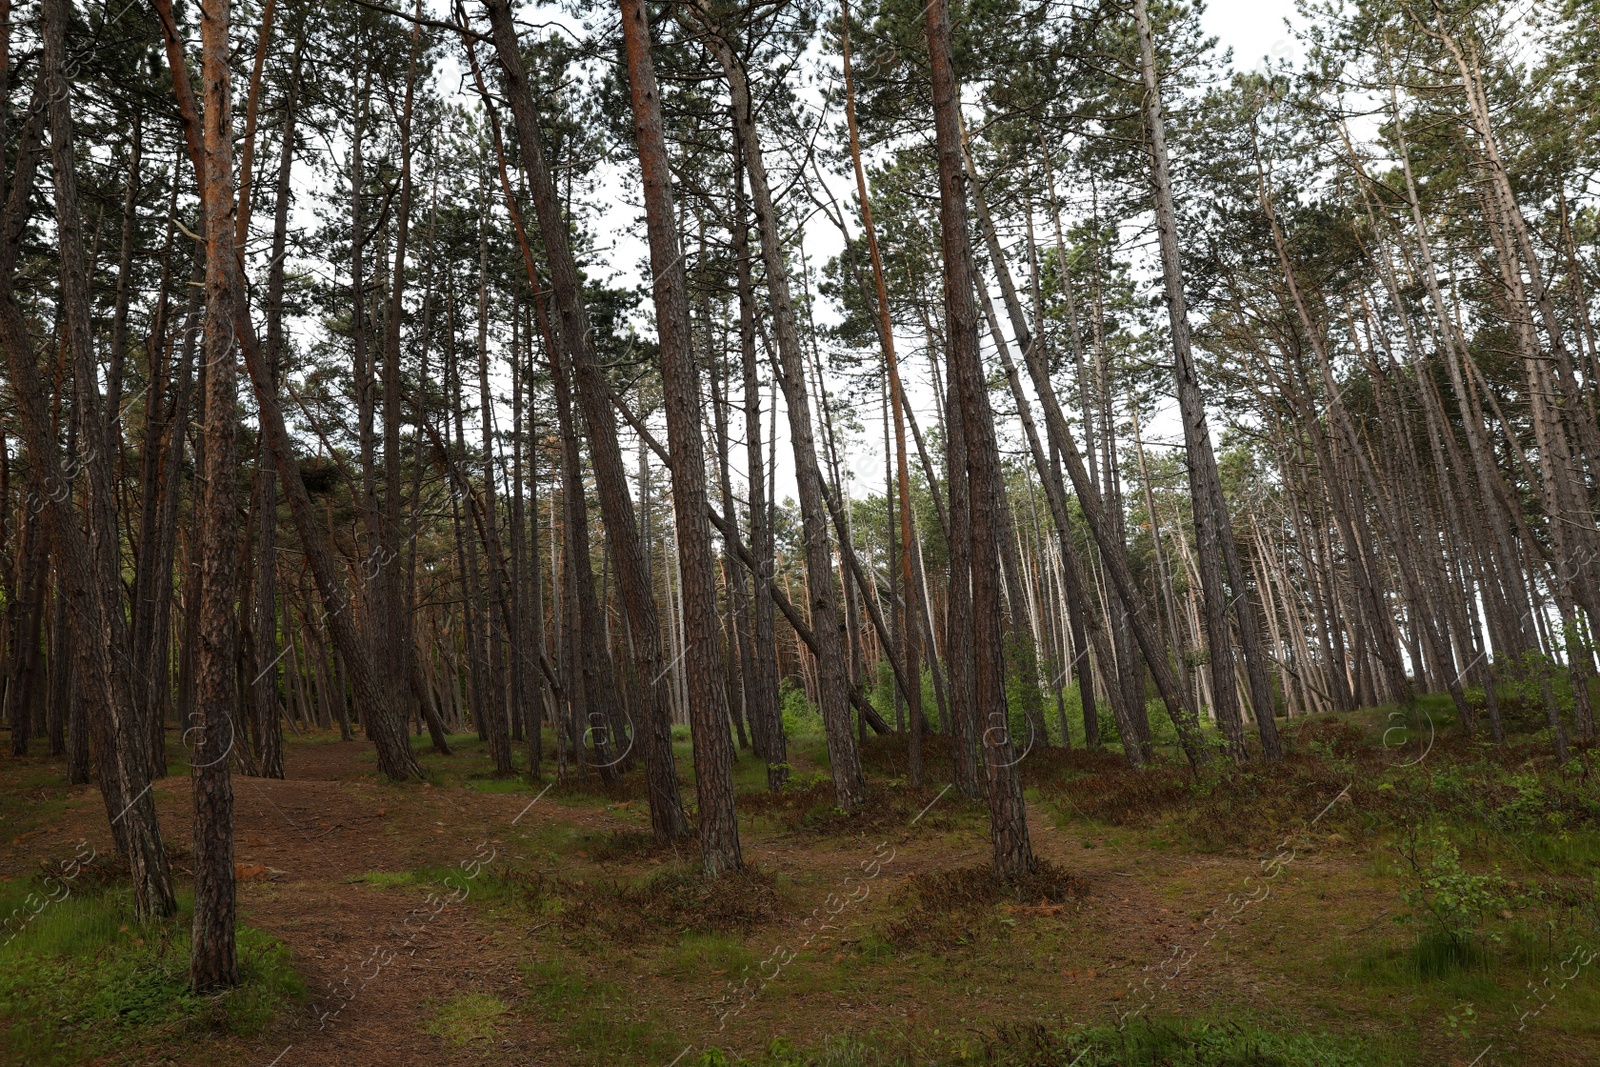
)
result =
(630, 786)
(808, 806)
(42, 781)
(1163, 1042)
(84, 977)
(601, 1022)
(468, 765)
(1041, 765)
(627, 845)
(964, 905)
(1335, 778)
(677, 899)
(1471, 923)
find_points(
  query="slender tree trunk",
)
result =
(1213, 529)
(118, 354)
(574, 334)
(1013, 855)
(1113, 552)
(761, 688)
(264, 687)
(494, 702)
(399, 657)
(535, 596)
(713, 750)
(89, 565)
(959, 617)
(395, 758)
(908, 640)
(213, 961)
(827, 622)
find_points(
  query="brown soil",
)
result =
(378, 958)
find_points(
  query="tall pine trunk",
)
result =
(573, 332)
(1215, 543)
(827, 621)
(1008, 826)
(708, 715)
(213, 960)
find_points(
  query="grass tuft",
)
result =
(680, 898)
(962, 906)
(810, 808)
(463, 1020)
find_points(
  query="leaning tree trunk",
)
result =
(89, 565)
(827, 622)
(1113, 552)
(494, 701)
(264, 685)
(1213, 529)
(395, 758)
(762, 687)
(400, 655)
(906, 633)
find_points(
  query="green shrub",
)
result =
(1453, 901)
(801, 719)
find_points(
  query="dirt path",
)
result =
(376, 958)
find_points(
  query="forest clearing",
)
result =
(811, 532)
(1313, 915)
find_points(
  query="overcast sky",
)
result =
(1252, 29)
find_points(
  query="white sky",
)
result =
(1252, 28)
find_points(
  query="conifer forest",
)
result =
(799, 533)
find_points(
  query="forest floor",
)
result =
(1432, 901)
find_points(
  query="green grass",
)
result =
(36, 795)
(614, 975)
(1192, 1043)
(1463, 964)
(1155, 1043)
(601, 1022)
(385, 879)
(487, 886)
(85, 978)
(466, 1019)
(520, 784)
(469, 764)
(708, 957)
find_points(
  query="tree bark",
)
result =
(575, 335)
(761, 688)
(906, 634)
(827, 622)
(264, 687)
(713, 750)
(494, 702)
(213, 960)
(89, 566)
(395, 758)
(1013, 855)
